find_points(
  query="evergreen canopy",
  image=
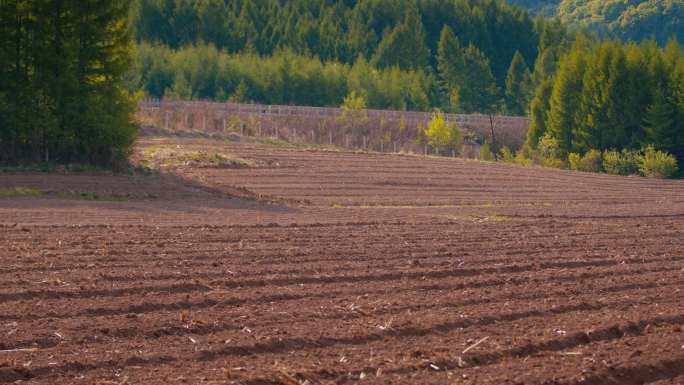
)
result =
(61, 66)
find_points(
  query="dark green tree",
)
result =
(518, 86)
(404, 46)
(64, 73)
(450, 66)
(539, 108)
(564, 105)
(478, 91)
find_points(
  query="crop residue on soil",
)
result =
(338, 268)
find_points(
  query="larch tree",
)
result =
(518, 84)
(404, 46)
(564, 104)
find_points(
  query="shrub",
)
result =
(506, 155)
(575, 161)
(657, 164)
(590, 162)
(549, 147)
(442, 135)
(522, 160)
(555, 163)
(486, 153)
(621, 163)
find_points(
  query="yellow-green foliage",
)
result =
(522, 160)
(657, 164)
(621, 163)
(549, 147)
(575, 160)
(169, 156)
(354, 102)
(506, 155)
(590, 162)
(19, 192)
(486, 153)
(443, 135)
(555, 163)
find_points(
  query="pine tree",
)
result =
(518, 83)
(603, 101)
(404, 46)
(563, 115)
(450, 66)
(478, 92)
(659, 123)
(539, 108)
(65, 69)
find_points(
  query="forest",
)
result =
(456, 55)
(628, 20)
(611, 96)
(71, 72)
(61, 94)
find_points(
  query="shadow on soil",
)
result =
(144, 193)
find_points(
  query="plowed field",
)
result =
(298, 266)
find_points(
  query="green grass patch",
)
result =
(389, 206)
(19, 192)
(486, 205)
(489, 218)
(53, 167)
(161, 156)
(90, 196)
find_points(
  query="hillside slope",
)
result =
(629, 20)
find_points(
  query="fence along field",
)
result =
(376, 130)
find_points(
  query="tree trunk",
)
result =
(491, 126)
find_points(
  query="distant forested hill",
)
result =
(416, 54)
(385, 32)
(629, 20)
(538, 7)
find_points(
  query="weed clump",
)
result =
(590, 162)
(19, 192)
(625, 162)
(657, 164)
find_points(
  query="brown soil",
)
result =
(326, 267)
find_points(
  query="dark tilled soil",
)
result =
(337, 268)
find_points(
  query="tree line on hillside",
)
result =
(628, 20)
(492, 38)
(606, 96)
(61, 63)
(204, 72)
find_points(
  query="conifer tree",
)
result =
(405, 46)
(539, 108)
(450, 65)
(69, 58)
(564, 103)
(659, 122)
(604, 101)
(478, 91)
(518, 83)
